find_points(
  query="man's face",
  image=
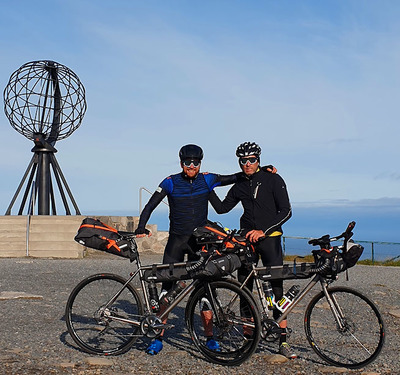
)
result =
(191, 167)
(249, 164)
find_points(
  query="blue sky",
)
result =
(315, 83)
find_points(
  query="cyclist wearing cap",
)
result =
(266, 208)
(187, 194)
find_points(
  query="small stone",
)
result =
(67, 365)
(18, 295)
(275, 358)
(395, 313)
(98, 361)
(333, 370)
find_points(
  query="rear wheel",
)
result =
(348, 334)
(234, 319)
(97, 325)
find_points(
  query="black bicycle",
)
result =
(106, 313)
(343, 326)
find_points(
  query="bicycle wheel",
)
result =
(234, 319)
(90, 318)
(361, 337)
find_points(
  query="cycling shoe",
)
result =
(155, 347)
(213, 345)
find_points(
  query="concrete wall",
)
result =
(53, 236)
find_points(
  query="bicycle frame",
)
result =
(164, 314)
(317, 278)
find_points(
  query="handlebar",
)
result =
(325, 241)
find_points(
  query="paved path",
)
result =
(34, 340)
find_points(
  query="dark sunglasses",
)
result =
(252, 160)
(189, 162)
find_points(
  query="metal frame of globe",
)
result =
(45, 102)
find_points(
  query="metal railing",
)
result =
(140, 198)
(373, 250)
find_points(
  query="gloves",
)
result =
(141, 231)
(269, 168)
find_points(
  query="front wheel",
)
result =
(98, 312)
(350, 333)
(228, 314)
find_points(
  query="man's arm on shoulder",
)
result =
(222, 207)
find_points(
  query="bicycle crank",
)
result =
(152, 326)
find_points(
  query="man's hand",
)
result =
(142, 232)
(269, 168)
(255, 235)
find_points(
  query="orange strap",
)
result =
(106, 227)
(111, 243)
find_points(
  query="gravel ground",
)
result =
(34, 338)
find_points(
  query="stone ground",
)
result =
(34, 338)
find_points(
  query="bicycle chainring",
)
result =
(270, 330)
(151, 326)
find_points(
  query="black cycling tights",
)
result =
(175, 250)
(270, 251)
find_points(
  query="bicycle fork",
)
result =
(335, 308)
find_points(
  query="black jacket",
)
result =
(264, 198)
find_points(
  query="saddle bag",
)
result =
(95, 234)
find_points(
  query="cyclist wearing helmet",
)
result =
(187, 194)
(266, 207)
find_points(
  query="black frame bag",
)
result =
(99, 236)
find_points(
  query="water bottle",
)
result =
(288, 298)
(269, 295)
(153, 294)
(167, 298)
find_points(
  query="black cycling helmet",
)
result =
(248, 149)
(191, 152)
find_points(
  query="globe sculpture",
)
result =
(45, 102)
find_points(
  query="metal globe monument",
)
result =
(45, 102)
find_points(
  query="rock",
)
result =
(18, 295)
(275, 358)
(67, 365)
(98, 361)
(395, 313)
(333, 370)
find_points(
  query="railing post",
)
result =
(372, 253)
(284, 245)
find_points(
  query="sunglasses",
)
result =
(188, 162)
(251, 160)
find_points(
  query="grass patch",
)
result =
(307, 258)
(368, 262)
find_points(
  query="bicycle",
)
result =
(105, 313)
(343, 326)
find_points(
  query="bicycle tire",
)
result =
(236, 323)
(362, 337)
(91, 326)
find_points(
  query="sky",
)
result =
(314, 83)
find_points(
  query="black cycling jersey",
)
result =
(264, 198)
